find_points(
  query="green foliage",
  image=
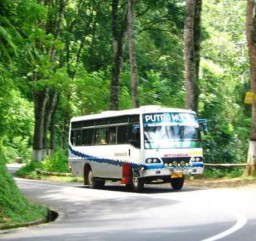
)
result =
(220, 172)
(223, 80)
(89, 93)
(17, 122)
(157, 90)
(15, 209)
(29, 170)
(57, 162)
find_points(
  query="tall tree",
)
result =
(192, 51)
(119, 27)
(45, 98)
(132, 53)
(251, 41)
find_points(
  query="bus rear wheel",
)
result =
(94, 182)
(177, 183)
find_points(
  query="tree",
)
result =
(251, 41)
(132, 54)
(192, 51)
(45, 98)
(119, 27)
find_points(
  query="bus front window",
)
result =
(171, 130)
(174, 136)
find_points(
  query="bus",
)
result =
(150, 144)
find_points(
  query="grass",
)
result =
(15, 209)
(223, 172)
(30, 171)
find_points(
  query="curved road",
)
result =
(159, 213)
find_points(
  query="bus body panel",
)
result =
(106, 161)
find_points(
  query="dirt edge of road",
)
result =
(221, 182)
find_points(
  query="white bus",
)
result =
(150, 144)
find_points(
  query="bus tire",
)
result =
(87, 168)
(177, 183)
(93, 182)
(137, 184)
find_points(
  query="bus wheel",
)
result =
(137, 184)
(177, 183)
(93, 182)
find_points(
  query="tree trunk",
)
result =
(119, 27)
(251, 41)
(192, 51)
(132, 54)
(49, 121)
(40, 103)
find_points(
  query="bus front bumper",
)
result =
(174, 172)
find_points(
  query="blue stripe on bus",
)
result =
(120, 163)
(102, 160)
(154, 166)
(197, 164)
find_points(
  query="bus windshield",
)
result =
(171, 130)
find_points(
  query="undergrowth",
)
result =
(15, 209)
(220, 172)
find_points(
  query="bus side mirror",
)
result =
(136, 128)
(203, 123)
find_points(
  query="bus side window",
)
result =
(88, 137)
(134, 135)
(112, 135)
(72, 137)
(77, 137)
(102, 136)
(122, 134)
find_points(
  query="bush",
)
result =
(57, 162)
(15, 209)
(220, 172)
(29, 170)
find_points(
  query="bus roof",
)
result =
(135, 111)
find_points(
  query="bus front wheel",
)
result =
(137, 184)
(177, 183)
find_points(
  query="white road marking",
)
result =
(241, 221)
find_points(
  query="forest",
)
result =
(64, 58)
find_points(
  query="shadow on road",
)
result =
(148, 189)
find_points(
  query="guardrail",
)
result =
(228, 164)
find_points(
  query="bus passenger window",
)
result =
(72, 137)
(112, 135)
(88, 137)
(134, 135)
(101, 136)
(122, 134)
(78, 138)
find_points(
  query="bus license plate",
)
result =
(176, 174)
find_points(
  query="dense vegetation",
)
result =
(63, 55)
(15, 209)
(82, 79)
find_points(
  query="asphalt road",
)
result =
(159, 213)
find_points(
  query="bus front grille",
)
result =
(176, 161)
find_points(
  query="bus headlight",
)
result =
(183, 164)
(175, 163)
(152, 160)
(196, 159)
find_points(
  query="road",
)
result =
(159, 213)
